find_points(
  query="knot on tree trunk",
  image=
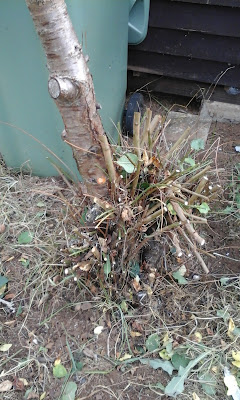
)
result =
(64, 89)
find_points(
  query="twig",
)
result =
(146, 129)
(198, 175)
(155, 121)
(191, 192)
(65, 179)
(108, 158)
(198, 189)
(103, 204)
(204, 220)
(194, 250)
(136, 143)
(187, 224)
(154, 216)
(176, 243)
(177, 144)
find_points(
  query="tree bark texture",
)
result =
(71, 86)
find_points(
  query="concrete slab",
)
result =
(178, 124)
(220, 112)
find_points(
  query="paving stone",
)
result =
(178, 124)
(220, 112)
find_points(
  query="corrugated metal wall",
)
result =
(191, 40)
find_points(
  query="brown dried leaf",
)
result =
(136, 284)
(127, 214)
(136, 325)
(10, 323)
(5, 386)
(24, 381)
(49, 345)
(2, 228)
(84, 306)
(18, 384)
(56, 279)
(145, 158)
(135, 334)
(156, 162)
(9, 296)
(32, 395)
(148, 289)
(89, 353)
(83, 266)
(103, 244)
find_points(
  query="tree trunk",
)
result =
(70, 85)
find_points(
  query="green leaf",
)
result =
(236, 331)
(79, 365)
(176, 384)
(178, 275)
(19, 310)
(228, 210)
(107, 267)
(69, 391)
(40, 214)
(5, 347)
(41, 204)
(59, 371)
(28, 391)
(224, 315)
(197, 144)
(164, 354)
(25, 263)
(169, 347)
(157, 363)
(203, 208)
(153, 342)
(208, 383)
(3, 280)
(157, 385)
(171, 209)
(224, 280)
(83, 216)
(134, 269)
(124, 306)
(179, 360)
(128, 162)
(190, 161)
(25, 237)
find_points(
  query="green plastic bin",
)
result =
(103, 27)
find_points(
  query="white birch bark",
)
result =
(70, 85)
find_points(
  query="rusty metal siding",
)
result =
(195, 40)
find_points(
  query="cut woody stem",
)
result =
(198, 189)
(106, 149)
(194, 250)
(176, 243)
(177, 208)
(177, 144)
(136, 144)
(146, 129)
(194, 178)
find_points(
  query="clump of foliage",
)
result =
(154, 193)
